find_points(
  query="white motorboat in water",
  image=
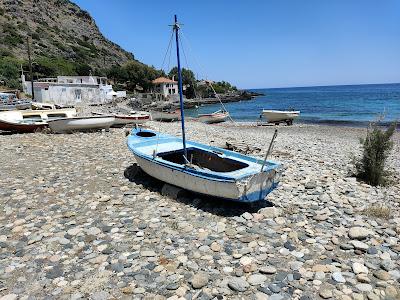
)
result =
(81, 123)
(277, 116)
(215, 117)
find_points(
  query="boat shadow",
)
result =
(216, 206)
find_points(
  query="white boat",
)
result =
(201, 168)
(39, 105)
(38, 115)
(9, 101)
(166, 116)
(135, 117)
(277, 116)
(81, 124)
(215, 117)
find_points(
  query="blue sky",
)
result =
(255, 44)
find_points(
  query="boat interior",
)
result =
(203, 159)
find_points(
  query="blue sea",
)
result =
(354, 105)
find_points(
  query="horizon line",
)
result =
(309, 86)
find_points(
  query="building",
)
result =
(72, 90)
(166, 87)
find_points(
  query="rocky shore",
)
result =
(79, 220)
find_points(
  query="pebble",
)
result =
(200, 280)
(338, 277)
(256, 279)
(238, 284)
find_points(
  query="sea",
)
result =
(352, 105)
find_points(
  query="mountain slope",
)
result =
(59, 29)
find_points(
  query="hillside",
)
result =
(58, 28)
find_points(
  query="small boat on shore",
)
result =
(31, 120)
(201, 168)
(22, 126)
(66, 125)
(9, 101)
(215, 117)
(134, 117)
(278, 116)
(166, 116)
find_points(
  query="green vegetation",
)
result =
(9, 70)
(376, 149)
(222, 87)
(188, 79)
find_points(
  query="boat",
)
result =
(166, 116)
(66, 125)
(201, 168)
(215, 117)
(9, 101)
(31, 120)
(277, 116)
(22, 126)
(135, 117)
(42, 106)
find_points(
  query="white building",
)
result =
(72, 90)
(166, 87)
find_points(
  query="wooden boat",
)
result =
(166, 116)
(31, 120)
(21, 126)
(277, 116)
(9, 101)
(65, 125)
(215, 117)
(139, 117)
(209, 170)
(200, 168)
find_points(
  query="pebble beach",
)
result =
(80, 220)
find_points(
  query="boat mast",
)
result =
(176, 29)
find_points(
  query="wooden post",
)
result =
(30, 67)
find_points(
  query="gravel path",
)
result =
(79, 220)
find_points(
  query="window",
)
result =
(78, 95)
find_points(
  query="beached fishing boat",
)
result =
(277, 116)
(200, 168)
(166, 116)
(22, 126)
(135, 117)
(65, 125)
(31, 120)
(215, 117)
(9, 101)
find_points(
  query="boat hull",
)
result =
(165, 116)
(125, 120)
(249, 184)
(280, 116)
(213, 118)
(81, 124)
(21, 127)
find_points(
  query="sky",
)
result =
(263, 43)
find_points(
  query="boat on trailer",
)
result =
(67, 125)
(201, 168)
(278, 116)
(215, 117)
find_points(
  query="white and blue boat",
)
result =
(201, 168)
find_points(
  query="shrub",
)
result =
(376, 148)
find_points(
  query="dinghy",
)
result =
(9, 101)
(215, 117)
(31, 120)
(67, 125)
(277, 116)
(166, 116)
(200, 168)
(21, 126)
(135, 117)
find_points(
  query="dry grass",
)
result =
(377, 211)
